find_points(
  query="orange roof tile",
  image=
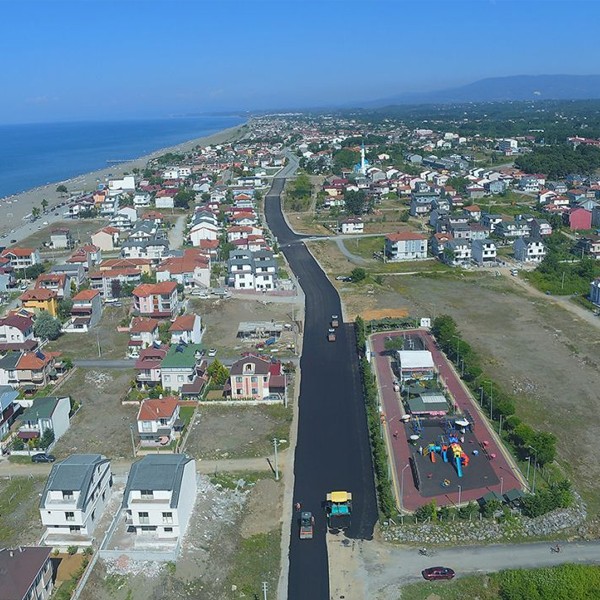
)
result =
(159, 408)
(149, 289)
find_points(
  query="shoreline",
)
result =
(14, 208)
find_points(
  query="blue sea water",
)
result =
(37, 154)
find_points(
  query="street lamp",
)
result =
(528, 459)
(501, 485)
(459, 494)
(457, 348)
(402, 485)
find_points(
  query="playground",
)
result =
(445, 454)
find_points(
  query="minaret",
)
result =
(363, 167)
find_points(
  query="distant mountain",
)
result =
(499, 89)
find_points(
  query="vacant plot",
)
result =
(20, 523)
(80, 229)
(102, 424)
(104, 341)
(222, 318)
(238, 431)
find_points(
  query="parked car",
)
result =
(42, 457)
(212, 352)
(434, 573)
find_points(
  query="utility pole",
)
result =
(132, 439)
(264, 590)
(275, 444)
(98, 342)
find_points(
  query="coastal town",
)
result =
(154, 326)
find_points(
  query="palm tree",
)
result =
(44, 204)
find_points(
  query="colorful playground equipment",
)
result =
(450, 451)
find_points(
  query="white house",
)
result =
(158, 420)
(75, 496)
(160, 494)
(127, 184)
(352, 225)
(484, 251)
(529, 250)
(405, 245)
(164, 201)
(141, 200)
(186, 328)
(252, 270)
(204, 231)
(457, 252)
(51, 412)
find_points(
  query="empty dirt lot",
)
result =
(102, 423)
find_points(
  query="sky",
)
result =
(96, 59)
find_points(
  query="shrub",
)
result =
(71, 550)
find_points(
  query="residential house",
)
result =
(55, 282)
(352, 225)
(475, 192)
(142, 265)
(61, 238)
(21, 258)
(491, 221)
(148, 366)
(165, 199)
(16, 333)
(495, 187)
(252, 270)
(478, 231)
(154, 249)
(75, 273)
(190, 270)
(187, 328)
(26, 573)
(405, 245)
(180, 366)
(74, 498)
(204, 231)
(51, 412)
(109, 282)
(256, 378)
(421, 203)
(86, 312)
(590, 245)
(35, 369)
(473, 212)
(512, 229)
(438, 242)
(107, 238)
(39, 299)
(484, 252)
(460, 231)
(124, 218)
(457, 252)
(159, 496)
(143, 333)
(595, 291)
(540, 228)
(529, 249)
(7, 276)
(88, 255)
(579, 218)
(8, 408)
(141, 200)
(157, 300)
(126, 184)
(158, 420)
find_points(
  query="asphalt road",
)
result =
(332, 451)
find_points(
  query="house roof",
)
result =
(41, 408)
(181, 356)
(38, 294)
(34, 360)
(415, 359)
(85, 295)
(404, 236)
(143, 325)
(261, 367)
(157, 472)
(15, 251)
(74, 474)
(19, 322)
(149, 289)
(19, 568)
(160, 408)
(183, 323)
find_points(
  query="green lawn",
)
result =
(19, 514)
(365, 246)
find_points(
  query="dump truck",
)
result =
(331, 335)
(307, 525)
(335, 321)
(338, 508)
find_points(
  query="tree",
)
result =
(64, 309)
(358, 274)
(35, 212)
(116, 288)
(44, 204)
(219, 374)
(183, 198)
(47, 439)
(62, 189)
(46, 326)
(355, 202)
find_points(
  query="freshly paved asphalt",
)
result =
(332, 451)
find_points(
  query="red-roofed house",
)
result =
(36, 369)
(157, 300)
(21, 258)
(254, 377)
(108, 282)
(158, 420)
(190, 270)
(55, 282)
(405, 245)
(39, 299)
(186, 328)
(85, 313)
(88, 256)
(143, 333)
(148, 366)
(107, 238)
(16, 333)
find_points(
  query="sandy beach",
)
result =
(14, 208)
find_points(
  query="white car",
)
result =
(212, 352)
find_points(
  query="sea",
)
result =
(36, 154)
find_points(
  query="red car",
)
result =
(434, 573)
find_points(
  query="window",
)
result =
(167, 378)
(254, 379)
(146, 426)
(74, 529)
(70, 516)
(238, 379)
(167, 517)
(93, 515)
(144, 518)
(168, 529)
(67, 494)
(254, 391)
(179, 377)
(147, 494)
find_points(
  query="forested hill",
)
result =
(561, 160)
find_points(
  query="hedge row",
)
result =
(380, 461)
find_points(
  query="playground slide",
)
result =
(432, 456)
(458, 466)
(465, 459)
